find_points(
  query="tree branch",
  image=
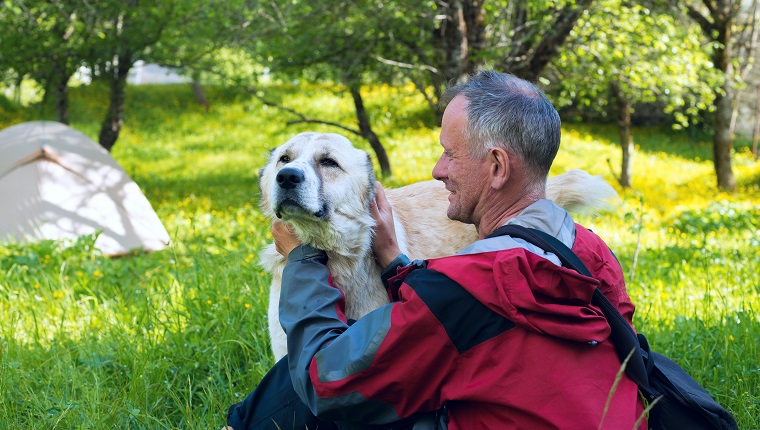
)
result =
(710, 5)
(404, 65)
(319, 121)
(532, 58)
(302, 118)
(701, 20)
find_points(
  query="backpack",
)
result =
(676, 400)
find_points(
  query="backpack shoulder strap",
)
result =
(546, 242)
(622, 335)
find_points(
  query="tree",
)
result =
(430, 43)
(12, 26)
(200, 35)
(128, 30)
(306, 44)
(52, 39)
(725, 23)
(47, 42)
(535, 32)
(520, 37)
(459, 38)
(55, 38)
(623, 55)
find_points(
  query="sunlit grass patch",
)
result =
(152, 339)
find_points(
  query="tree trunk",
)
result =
(453, 41)
(722, 141)
(735, 113)
(475, 28)
(111, 127)
(200, 94)
(461, 37)
(61, 82)
(366, 131)
(756, 130)
(718, 27)
(17, 89)
(459, 42)
(723, 58)
(626, 137)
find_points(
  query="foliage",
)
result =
(48, 41)
(716, 216)
(41, 39)
(172, 338)
(388, 43)
(651, 55)
(201, 28)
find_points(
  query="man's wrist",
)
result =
(387, 257)
(399, 260)
(391, 269)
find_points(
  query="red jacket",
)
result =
(505, 339)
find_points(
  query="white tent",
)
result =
(56, 183)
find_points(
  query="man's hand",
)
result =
(384, 244)
(285, 239)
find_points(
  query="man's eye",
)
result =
(284, 159)
(328, 162)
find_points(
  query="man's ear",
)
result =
(499, 170)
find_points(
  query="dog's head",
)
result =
(320, 184)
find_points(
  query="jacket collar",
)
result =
(544, 215)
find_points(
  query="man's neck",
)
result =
(502, 208)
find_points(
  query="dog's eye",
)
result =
(284, 159)
(328, 162)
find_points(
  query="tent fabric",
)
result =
(56, 183)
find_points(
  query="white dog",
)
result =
(323, 186)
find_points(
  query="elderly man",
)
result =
(498, 336)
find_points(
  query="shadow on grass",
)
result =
(656, 140)
(223, 190)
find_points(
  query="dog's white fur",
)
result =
(328, 207)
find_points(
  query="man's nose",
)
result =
(440, 170)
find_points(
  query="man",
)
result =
(496, 337)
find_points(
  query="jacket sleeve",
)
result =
(368, 372)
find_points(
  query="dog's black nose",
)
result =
(289, 178)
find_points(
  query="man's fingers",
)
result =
(279, 226)
(285, 239)
(380, 192)
(381, 201)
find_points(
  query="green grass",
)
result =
(170, 339)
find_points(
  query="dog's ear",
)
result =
(263, 197)
(263, 200)
(261, 170)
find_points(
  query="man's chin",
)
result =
(453, 214)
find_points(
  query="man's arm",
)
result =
(388, 365)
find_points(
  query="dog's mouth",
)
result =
(289, 208)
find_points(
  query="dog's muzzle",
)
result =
(290, 197)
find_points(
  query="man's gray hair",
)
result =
(508, 112)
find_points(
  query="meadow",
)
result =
(168, 340)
